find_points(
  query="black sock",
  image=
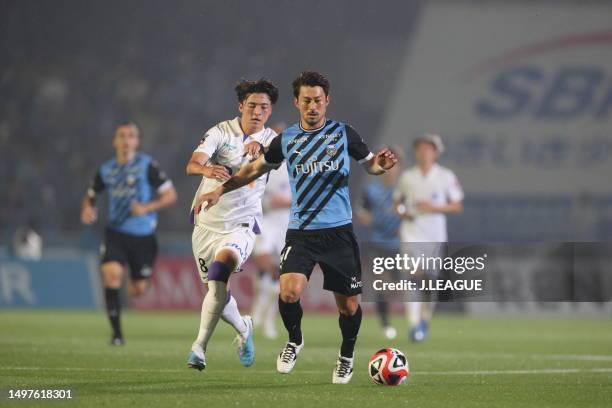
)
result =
(349, 326)
(383, 312)
(113, 310)
(292, 319)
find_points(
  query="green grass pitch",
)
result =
(467, 362)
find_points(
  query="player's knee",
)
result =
(139, 287)
(348, 308)
(228, 258)
(291, 287)
(290, 295)
(112, 282)
(111, 275)
(290, 291)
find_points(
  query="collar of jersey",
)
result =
(313, 130)
(254, 136)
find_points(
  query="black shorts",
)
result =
(137, 252)
(334, 249)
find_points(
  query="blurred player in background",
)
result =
(137, 189)
(276, 204)
(223, 237)
(376, 210)
(425, 194)
(27, 243)
(318, 152)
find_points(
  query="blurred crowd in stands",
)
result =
(72, 71)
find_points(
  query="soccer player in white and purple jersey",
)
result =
(223, 237)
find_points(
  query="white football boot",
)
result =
(288, 356)
(343, 371)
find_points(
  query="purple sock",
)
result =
(218, 271)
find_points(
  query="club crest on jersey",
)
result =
(130, 179)
(331, 150)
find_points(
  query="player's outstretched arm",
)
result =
(245, 175)
(380, 162)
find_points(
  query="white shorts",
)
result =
(272, 238)
(206, 245)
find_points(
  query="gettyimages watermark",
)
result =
(456, 272)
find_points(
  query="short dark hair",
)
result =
(310, 78)
(245, 88)
(127, 123)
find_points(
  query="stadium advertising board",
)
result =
(523, 102)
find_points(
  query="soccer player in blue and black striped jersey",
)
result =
(137, 189)
(318, 152)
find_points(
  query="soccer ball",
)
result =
(388, 367)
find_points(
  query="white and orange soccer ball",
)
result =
(388, 367)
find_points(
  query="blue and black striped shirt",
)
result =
(138, 180)
(318, 164)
